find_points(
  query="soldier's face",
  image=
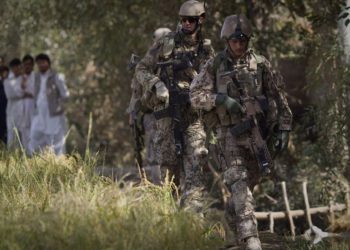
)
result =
(238, 46)
(189, 23)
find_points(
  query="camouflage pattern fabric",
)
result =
(195, 153)
(149, 126)
(239, 167)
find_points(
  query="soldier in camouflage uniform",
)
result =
(186, 43)
(213, 90)
(148, 120)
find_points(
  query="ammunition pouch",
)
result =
(163, 113)
(242, 127)
(247, 125)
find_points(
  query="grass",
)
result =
(59, 203)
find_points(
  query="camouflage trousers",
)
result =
(240, 174)
(194, 153)
(151, 163)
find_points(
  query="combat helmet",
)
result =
(236, 27)
(159, 33)
(192, 8)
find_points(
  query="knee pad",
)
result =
(247, 225)
(200, 156)
(233, 175)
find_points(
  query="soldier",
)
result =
(136, 110)
(227, 86)
(166, 73)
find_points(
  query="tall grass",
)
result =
(49, 202)
(59, 203)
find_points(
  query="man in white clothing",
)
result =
(28, 80)
(16, 95)
(49, 124)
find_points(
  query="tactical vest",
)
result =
(174, 49)
(248, 81)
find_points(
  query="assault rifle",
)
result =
(136, 126)
(178, 98)
(249, 124)
(137, 130)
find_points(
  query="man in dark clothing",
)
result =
(3, 103)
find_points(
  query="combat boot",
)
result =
(253, 243)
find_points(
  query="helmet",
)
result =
(159, 33)
(236, 26)
(192, 8)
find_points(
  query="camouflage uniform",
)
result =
(147, 72)
(148, 120)
(149, 127)
(239, 164)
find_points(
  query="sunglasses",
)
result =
(189, 19)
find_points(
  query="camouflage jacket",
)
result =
(168, 47)
(204, 87)
(136, 93)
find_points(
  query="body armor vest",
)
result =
(191, 55)
(240, 79)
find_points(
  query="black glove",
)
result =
(232, 106)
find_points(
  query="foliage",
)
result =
(59, 203)
(90, 41)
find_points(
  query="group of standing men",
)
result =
(235, 95)
(33, 101)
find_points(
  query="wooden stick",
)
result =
(272, 223)
(307, 204)
(298, 213)
(286, 203)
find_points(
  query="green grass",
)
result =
(59, 203)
